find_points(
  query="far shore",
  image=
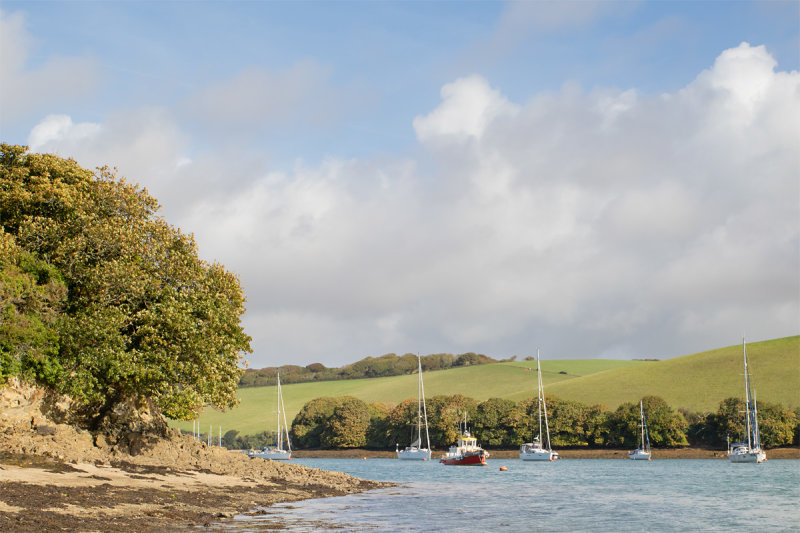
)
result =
(564, 453)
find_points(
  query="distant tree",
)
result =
(348, 425)
(311, 421)
(401, 421)
(728, 422)
(469, 359)
(700, 430)
(493, 422)
(229, 439)
(144, 319)
(446, 416)
(665, 426)
(378, 432)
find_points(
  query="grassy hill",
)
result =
(256, 412)
(697, 382)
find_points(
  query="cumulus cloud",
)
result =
(58, 80)
(468, 106)
(600, 223)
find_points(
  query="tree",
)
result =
(348, 425)
(144, 319)
(665, 426)
(401, 421)
(311, 421)
(493, 422)
(446, 416)
(31, 296)
(378, 432)
(776, 424)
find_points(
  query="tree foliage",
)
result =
(500, 423)
(369, 367)
(348, 425)
(142, 317)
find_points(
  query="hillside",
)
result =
(257, 409)
(697, 382)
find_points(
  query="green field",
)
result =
(697, 382)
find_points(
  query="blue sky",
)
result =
(446, 176)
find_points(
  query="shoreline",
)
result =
(57, 477)
(564, 453)
(40, 493)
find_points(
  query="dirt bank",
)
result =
(55, 477)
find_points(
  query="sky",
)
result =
(594, 179)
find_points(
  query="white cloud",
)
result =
(55, 129)
(581, 222)
(469, 105)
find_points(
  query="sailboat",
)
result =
(642, 453)
(415, 451)
(750, 451)
(534, 451)
(278, 452)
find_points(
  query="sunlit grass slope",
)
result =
(698, 382)
(257, 410)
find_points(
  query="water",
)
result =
(563, 496)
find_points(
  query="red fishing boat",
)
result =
(466, 452)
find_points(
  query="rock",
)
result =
(100, 441)
(45, 430)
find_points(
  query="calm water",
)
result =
(567, 495)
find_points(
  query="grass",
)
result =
(697, 382)
(700, 381)
(257, 410)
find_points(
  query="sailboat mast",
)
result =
(544, 404)
(539, 396)
(641, 416)
(285, 424)
(419, 400)
(424, 408)
(280, 437)
(747, 394)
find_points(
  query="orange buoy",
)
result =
(365, 458)
(503, 469)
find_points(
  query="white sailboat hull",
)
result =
(744, 455)
(276, 455)
(414, 454)
(639, 455)
(527, 453)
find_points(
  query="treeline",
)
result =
(347, 422)
(369, 367)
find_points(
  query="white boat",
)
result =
(642, 453)
(415, 451)
(534, 451)
(277, 452)
(750, 451)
